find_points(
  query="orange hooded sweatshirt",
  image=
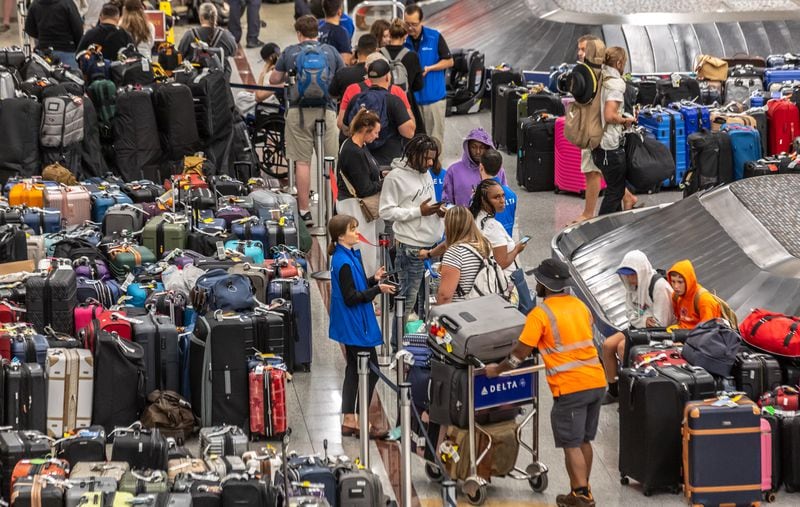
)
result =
(697, 304)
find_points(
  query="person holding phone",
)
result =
(353, 322)
(489, 199)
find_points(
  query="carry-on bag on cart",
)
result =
(722, 452)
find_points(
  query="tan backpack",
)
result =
(583, 126)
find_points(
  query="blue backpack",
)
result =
(372, 99)
(313, 76)
(92, 64)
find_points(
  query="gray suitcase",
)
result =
(99, 469)
(282, 234)
(486, 327)
(105, 485)
(361, 488)
(223, 441)
(264, 201)
(123, 217)
(180, 500)
(225, 465)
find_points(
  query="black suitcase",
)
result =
(15, 446)
(240, 489)
(756, 373)
(93, 163)
(136, 143)
(141, 448)
(13, 244)
(545, 102)
(688, 89)
(536, 154)
(143, 191)
(158, 336)
(177, 128)
(761, 125)
(225, 185)
(37, 491)
(119, 382)
(648, 90)
(25, 396)
(694, 381)
(20, 121)
(790, 443)
(505, 115)
(791, 373)
(88, 444)
(51, 299)
(498, 78)
(775, 431)
(710, 161)
(650, 413)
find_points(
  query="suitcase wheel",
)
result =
(624, 481)
(769, 496)
(475, 492)
(433, 472)
(556, 190)
(539, 483)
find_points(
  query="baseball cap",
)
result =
(626, 271)
(378, 68)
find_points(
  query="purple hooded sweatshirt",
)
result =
(462, 177)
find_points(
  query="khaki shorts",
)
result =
(587, 164)
(300, 139)
(433, 117)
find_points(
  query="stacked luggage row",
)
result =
(723, 424)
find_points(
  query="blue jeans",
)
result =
(411, 271)
(253, 19)
(67, 58)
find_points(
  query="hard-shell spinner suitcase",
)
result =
(51, 299)
(536, 154)
(25, 396)
(267, 401)
(756, 373)
(568, 176)
(158, 336)
(16, 446)
(70, 387)
(298, 293)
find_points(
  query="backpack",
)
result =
(583, 126)
(62, 121)
(727, 313)
(658, 275)
(490, 278)
(313, 76)
(207, 54)
(103, 94)
(399, 71)
(373, 99)
(93, 64)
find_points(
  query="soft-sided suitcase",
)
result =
(650, 411)
(70, 390)
(143, 191)
(568, 176)
(141, 448)
(16, 446)
(667, 92)
(25, 396)
(722, 452)
(360, 488)
(51, 299)
(298, 293)
(505, 116)
(267, 401)
(174, 108)
(136, 143)
(536, 154)
(313, 470)
(88, 469)
(185, 466)
(667, 126)
(710, 161)
(756, 373)
(119, 382)
(745, 146)
(486, 327)
(87, 444)
(222, 466)
(784, 125)
(158, 336)
(37, 491)
(500, 455)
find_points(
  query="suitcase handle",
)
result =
(449, 323)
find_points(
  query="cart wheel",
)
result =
(479, 497)
(647, 492)
(624, 481)
(556, 190)
(538, 483)
(769, 496)
(433, 472)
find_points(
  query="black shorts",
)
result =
(575, 416)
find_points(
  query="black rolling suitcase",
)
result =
(136, 144)
(15, 446)
(650, 413)
(174, 107)
(37, 491)
(25, 396)
(790, 446)
(119, 382)
(756, 373)
(696, 382)
(536, 154)
(505, 115)
(140, 448)
(51, 299)
(158, 336)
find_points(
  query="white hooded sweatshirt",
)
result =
(638, 303)
(404, 189)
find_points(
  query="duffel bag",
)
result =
(785, 398)
(649, 161)
(772, 332)
(712, 345)
(501, 454)
(219, 290)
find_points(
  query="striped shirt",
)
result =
(464, 259)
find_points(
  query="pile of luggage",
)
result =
(143, 467)
(716, 413)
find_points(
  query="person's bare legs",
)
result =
(588, 457)
(591, 196)
(577, 465)
(8, 6)
(303, 182)
(629, 200)
(611, 347)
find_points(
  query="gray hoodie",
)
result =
(404, 189)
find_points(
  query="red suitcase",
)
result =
(267, 401)
(9, 312)
(109, 321)
(786, 398)
(30, 467)
(783, 120)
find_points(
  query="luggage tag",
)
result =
(128, 281)
(220, 250)
(449, 451)
(676, 79)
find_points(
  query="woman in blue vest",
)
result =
(352, 316)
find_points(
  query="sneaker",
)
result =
(254, 44)
(307, 218)
(573, 500)
(609, 399)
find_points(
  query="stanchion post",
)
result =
(319, 149)
(405, 444)
(385, 356)
(399, 311)
(330, 166)
(449, 493)
(363, 406)
(292, 185)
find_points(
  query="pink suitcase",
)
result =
(568, 175)
(84, 313)
(766, 461)
(75, 203)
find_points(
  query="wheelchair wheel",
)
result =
(269, 142)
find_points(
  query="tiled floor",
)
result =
(314, 401)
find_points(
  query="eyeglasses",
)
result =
(414, 25)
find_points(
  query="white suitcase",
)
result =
(74, 201)
(70, 388)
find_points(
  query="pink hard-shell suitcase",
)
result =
(74, 201)
(767, 448)
(568, 175)
(84, 313)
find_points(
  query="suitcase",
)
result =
(696, 118)
(360, 488)
(722, 453)
(645, 355)
(249, 248)
(222, 466)
(667, 126)
(789, 438)
(223, 440)
(224, 185)
(140, 448)
(177, 127)
(51, 300)
(315, 471)
(259, 277)
(770, 475)
(784, 123)
(783, 74)
(89, 498)
(158, 336)
(25, 395)
(536, 154)
(137, 147)
(239, 489)
(784, 398)
(282, 232)
(99, 469)
(486, 327)
(16, 446)
(84, 445)
(650, 411)
(123, 217)
(126, 258)
(505, 116)
(192, 466)
(28, 347)
(70, 390)
(122, 499)
(500, 455)
(164, 233)
(138, 482)
(236, 215)
(267, 402)
(143, 191)
(568, 176)
(119, 382)
(106, 321)
(84, 492)
(28, 192)
(756, 373)
(667, 93)
(74, 202)
(695, 382)
(710, 161)
(37, 491)
(745, 146)
(102, 201)
(740, 88)
(759, 114)
(297, 292)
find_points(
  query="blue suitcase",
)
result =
(745, 145)
(667, 126)
(103, 200)
(252, 249)
(296, 290)
(29, 348)
(211, 225)
(780, 75)
(138, 292)
(251, 229)
(42, 220)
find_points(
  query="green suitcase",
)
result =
(139, 482)
(125, 258)
(165, 233)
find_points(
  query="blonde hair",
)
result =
(460, 227)
(616, 57)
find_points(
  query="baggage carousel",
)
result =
(538, 34)
(743, 239)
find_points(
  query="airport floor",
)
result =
(315, 398)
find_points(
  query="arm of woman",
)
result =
(503, 256)
(351, 296)
(450, 275)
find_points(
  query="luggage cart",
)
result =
(517, 387)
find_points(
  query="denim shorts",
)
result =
(575, 416)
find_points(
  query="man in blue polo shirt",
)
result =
(434, 58)
(491, 163)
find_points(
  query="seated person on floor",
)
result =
(691, 303)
